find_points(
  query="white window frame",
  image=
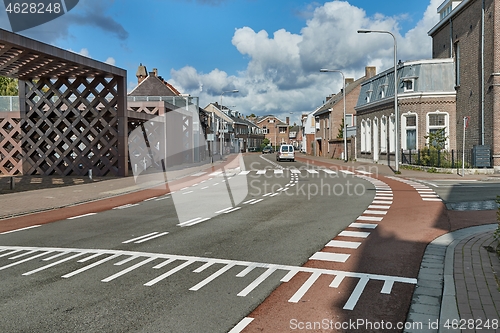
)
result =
(363, 136)
(392, 133)
(405, 128)
(446, 126)
(405, 85)
(368, 136)
(383, 134)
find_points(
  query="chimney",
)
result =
(141, 73)
(370, 71)
(348, 81)
(155, 71)
(288, 120)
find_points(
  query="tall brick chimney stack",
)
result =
(141, 74)
(370, 71)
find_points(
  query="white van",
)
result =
(286, 152)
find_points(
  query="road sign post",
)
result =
(466, 124)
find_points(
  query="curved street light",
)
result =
(396, 111)
(324, 70)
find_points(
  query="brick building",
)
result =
(426, 103)
(275, 130)
(469, 32)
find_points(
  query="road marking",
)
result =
(212, 277)
(83, 269)
(162, 198)
(21, 229)
(256, 201)
(193, 222)
(347, 172)
(90, 257)
(167, 274)
(431, 199)
(370, 218)
(328, 256)
(275, 194)
(244, 172)
(267, 194)
(137, 238)
(353, 299)
(24, 260)
(384, 194)
(150, 238)
(126, 206)
(201, 173)
(129, 269)
(80, 216)
(22, 255)
(364, 172)
(429, 195)
(312, 171)
(278, 171)
(257, 282)
(241, 325)
(295, 171)
(124, 261)
(261, 172)
(343, 244)
(232, 210)
(150, 199)
(249, 201)
(382, 202)
(358, 234)
(304, 288)
(375, 212)
(328, 171)
(53, 264)
(223, 210)
(205, 187)
(379, 207)
(217, 173)
(363, 225)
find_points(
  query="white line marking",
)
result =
(245, 172)
(386, 289)
(378, 207)
(54, 264)
(261, 172)
(375, 212)
(56, 256)
(257, 201)
(198, 174)
(429, 195)
(205, 187)
(337, 281)
(137, 238)
(384, 194)
(363, 225)
(364, 172)
(216, 173)
(358, 234)
(165, 263)
(244, 272)
(343, 244)
(249, 201)
(129, 269)
(241, 325)
(223, 210)
(278, 171)
(431, 199)
(328, 256)
(24, 260)
(90, 257)
(267, 194)
(204, 266)
(232, 210)
(22, 255)
(167, 274)
(312, 171)
(353, 299)
(275, 194)
(370, 218)
(162, 198)
(304, 288)
(187, 192)
(328, 171)
(256, 282)
(382, 202)
(83, 269)
(212, 277)
(153, 198)
(79, 216)
(150, 238)
(126, 206)
(21, 229)
(347, 172)
(295, 171)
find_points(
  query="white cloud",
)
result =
(283, 69)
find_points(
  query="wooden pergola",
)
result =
(73, 112)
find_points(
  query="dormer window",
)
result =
(409, 84)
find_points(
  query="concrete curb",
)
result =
(434, 298)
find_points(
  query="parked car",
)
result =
(286, 152)
(253, 149)
(268, 150)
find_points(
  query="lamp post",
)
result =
(324, 70)
(222, 127)
(396, 112)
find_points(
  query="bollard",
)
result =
(12, 183)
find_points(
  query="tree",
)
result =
(341, 130)
(437, 139)
(8, 86)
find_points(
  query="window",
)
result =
(349, 120)
(438, 121)
(408, 85)
(368, 96)
(383, 90)
(409, 131)
(457, 64)
(363, 136)
(282, 130)
(392, 133)
(265, 130)
(383, 135)
(368, 136)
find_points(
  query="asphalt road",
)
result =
(198, 260)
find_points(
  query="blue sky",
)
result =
(269, 50)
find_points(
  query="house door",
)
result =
(375, 140)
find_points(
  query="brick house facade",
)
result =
(275, 130)
(459, 35)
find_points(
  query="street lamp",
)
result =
(222, 132)
(324, 70)
(396, 112)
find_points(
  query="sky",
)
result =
(270, 51)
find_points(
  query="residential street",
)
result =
(83, 288)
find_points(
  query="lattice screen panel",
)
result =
(10, 146)
(70, 126)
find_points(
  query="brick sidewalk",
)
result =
(477, 279)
